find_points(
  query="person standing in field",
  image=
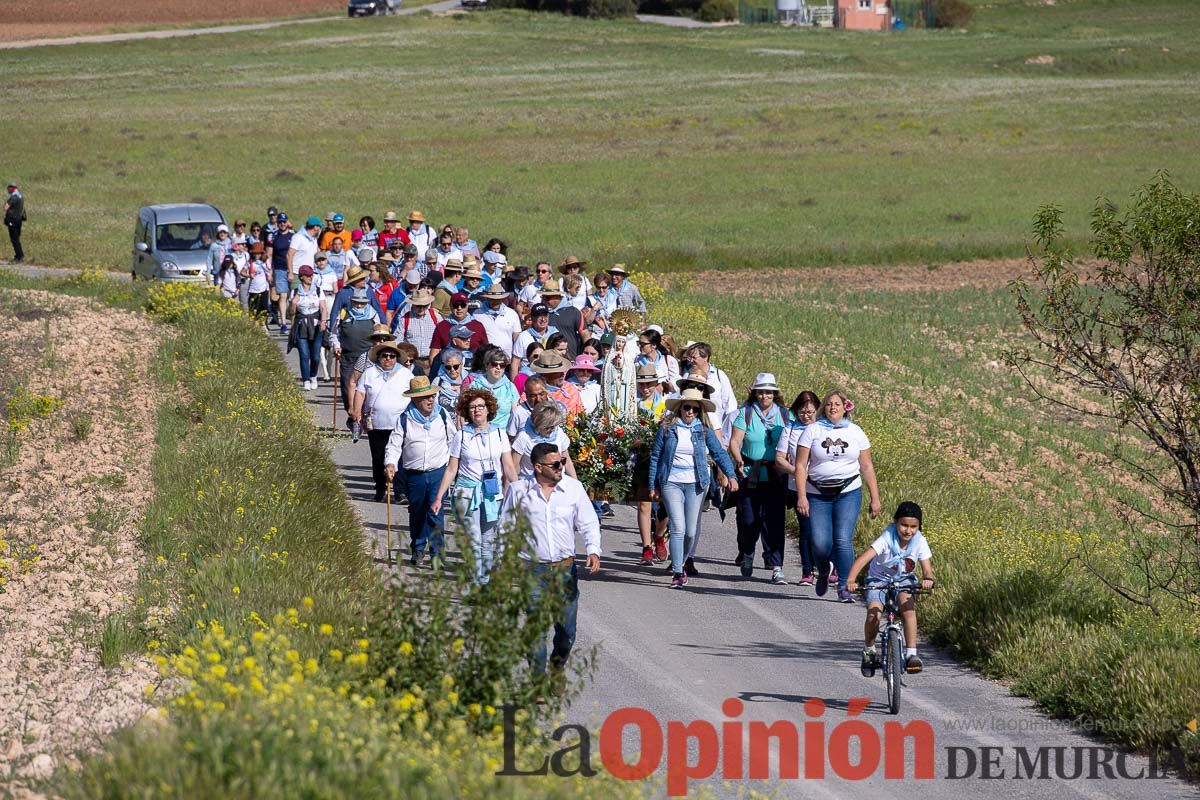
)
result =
(833, 463)
(217, 251)
(420, 234)
(556, 508)
(578, 297)
(628, 295)
(757, 429)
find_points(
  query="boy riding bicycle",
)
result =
(894, 554)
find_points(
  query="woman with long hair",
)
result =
(833, 463)
(679, 471)
(651, 350)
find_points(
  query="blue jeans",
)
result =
(760, 515)
(683, 502)
(424, 524)
(282, 282)
(806, 559)
(555, 577)
(310, 355)
(476, 534)
(833, 520)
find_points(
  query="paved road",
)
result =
(176, 33)
(680, 654)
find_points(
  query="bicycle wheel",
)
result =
(895, 669)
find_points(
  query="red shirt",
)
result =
(385, 238)
(441, 334)
(384, 291)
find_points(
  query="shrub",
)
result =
(718, 10)
(954, 13)
(603, 9)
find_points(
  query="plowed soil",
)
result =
(36, 19)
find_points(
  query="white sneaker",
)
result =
(308, 385)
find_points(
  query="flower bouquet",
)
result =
(607, 451)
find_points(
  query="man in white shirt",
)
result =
(555, 507)
(420, 444)
(303, 250)
(500, 322)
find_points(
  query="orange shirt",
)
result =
(568, 395)
(326, 240)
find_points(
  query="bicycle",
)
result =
(891, 644)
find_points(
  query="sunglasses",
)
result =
(693, 409)
(498, 364)
(387, 355)
(453, 367)
(644, 344)
(554, 464)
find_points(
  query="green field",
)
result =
(742, 146)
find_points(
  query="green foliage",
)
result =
(718, 10)
(953, 13)
(1127, 328)
(604, 9)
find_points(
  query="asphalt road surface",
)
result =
(682, 654)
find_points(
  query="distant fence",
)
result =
(911, 13)
(915, 13)
(751, 14)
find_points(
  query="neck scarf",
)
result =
(365, 313)
(416, 416)
(825, 423)
(538, 438)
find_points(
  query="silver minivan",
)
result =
(171, 241)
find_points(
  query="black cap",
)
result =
(540, 308)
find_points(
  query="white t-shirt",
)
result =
(501, 329)
(833, 453)
(257, 272)
(305, 249)
(889, 555)
(528, 337)
(788, 443)
(683, 466)
(524, 444)
(479, 452)
(385, 400)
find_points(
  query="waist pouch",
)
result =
(833, 486)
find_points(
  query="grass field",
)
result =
(743, 146)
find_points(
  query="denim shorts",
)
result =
(878, 596)
(281, 282)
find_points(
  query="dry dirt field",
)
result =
(34, 19)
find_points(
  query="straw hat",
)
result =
(380, 332)
(646, 373)
(421, 297)
(453, 265)
(355, 274)
(550, 362)
(550, 288)
(416, 216)
(420, 387)
(697, 380)
(472, 271)
(494, 292)
(618, 269)
(691, 396)
(391, 217)
(571, 261)
(387, 258)
(388, 344)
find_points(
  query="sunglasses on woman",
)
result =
(693, 409)
(453, 367)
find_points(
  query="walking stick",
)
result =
(336, 361)
(389, 520)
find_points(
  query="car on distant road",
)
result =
(372, 8)
(474, 3)
(170, 241)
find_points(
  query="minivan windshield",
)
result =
(186, 236)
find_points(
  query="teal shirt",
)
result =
(760, 441)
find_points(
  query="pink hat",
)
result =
(585, 362)
(356, 235)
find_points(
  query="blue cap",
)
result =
(312, 222)
(461, 332)
(282, 217)
(338, 218)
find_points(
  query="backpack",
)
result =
(442, 414)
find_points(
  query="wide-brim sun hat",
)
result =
(380, 332)
(389, 344)
(420, 387)
(691, 396)
(550, 362)
(391, 216)
(618, 269)
(416, 216)
(586, 363)
(472, 272)
(571, 261)
(646, 373)
(355, 274)
(421, 297)
(550, 289)
(494, 292)
(764, 381)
